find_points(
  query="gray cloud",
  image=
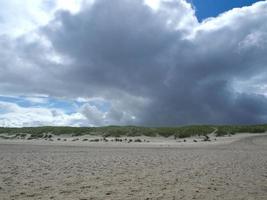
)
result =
(154, 67)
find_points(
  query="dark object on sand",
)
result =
(206, 139)
(94, 140)
(195, 140)
(118, 140)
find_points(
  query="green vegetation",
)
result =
(231, 130)
(133, 131)
(189, 131)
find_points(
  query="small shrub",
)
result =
(94, 140)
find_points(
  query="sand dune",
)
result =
(234, 168)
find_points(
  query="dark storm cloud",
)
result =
(151, 69)
(115, 43)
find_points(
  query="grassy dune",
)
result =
(118, 131)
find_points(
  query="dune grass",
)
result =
(231, 130)
(119, 131)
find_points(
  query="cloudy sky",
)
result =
(134, 62)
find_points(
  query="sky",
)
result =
(132, 62)
(212, 8)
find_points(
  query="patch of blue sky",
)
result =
(3, 111)
(212, 8)
(8, 99)
(66, 105)
(43, 102)
(17, 100)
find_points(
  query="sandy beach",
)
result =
(229, 168)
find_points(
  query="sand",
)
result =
(229, 168)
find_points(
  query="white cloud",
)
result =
(179, 14)
(92, 99)
(73, 6)
(37, 99)
(93, 114)
(232, 19)
(13, 115)
(96, 117)
(20, 17)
